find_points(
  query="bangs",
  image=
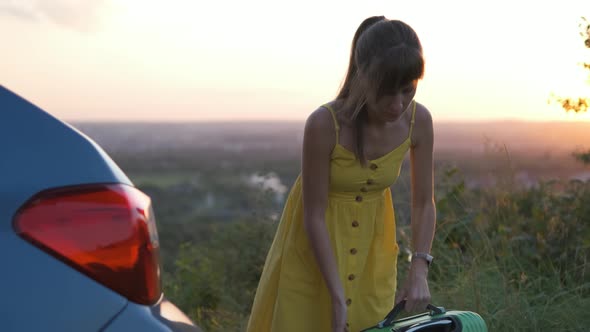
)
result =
(401, 66)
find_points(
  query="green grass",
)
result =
(518, 257)
(163, 180)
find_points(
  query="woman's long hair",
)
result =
(385, 55)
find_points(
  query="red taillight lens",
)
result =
(108, 232)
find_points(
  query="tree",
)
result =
(579, 104)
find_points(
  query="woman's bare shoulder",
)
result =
(423, 128)
(320, 120)
(423, 115)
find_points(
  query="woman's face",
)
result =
(390, 106)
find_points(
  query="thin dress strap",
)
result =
(336, 126)
(413, 120)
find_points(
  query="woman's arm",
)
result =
(423, 209)
(318, 141)
(423, 206)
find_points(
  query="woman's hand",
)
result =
(415, 288)
(339, 315)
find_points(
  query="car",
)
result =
(79, 247)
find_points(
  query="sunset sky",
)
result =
(193, 60)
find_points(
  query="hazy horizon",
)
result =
(528, 137)
(302, 122)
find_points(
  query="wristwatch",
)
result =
(424, 256)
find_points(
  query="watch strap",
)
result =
(427, 257)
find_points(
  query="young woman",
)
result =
(332, 264)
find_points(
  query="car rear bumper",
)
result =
(164, 316)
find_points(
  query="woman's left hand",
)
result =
(415, 289)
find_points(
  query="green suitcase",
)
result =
(437, 320)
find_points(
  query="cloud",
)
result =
(16, 11)
(72, 14)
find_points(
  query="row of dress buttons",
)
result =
(369, 182)
(355, 223)
(351, 276)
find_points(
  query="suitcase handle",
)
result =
(397, 309)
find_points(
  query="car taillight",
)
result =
(107, 232)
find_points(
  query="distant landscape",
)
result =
(534, 137)
(532, 150)
(512, 241)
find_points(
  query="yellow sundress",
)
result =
(291, 294)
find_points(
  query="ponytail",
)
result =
(357, 102)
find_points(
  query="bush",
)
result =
(214, 281)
